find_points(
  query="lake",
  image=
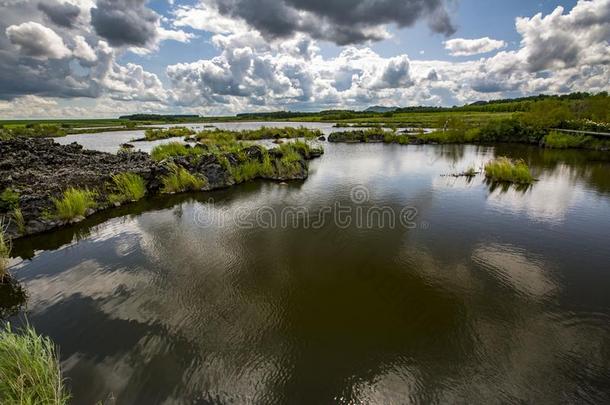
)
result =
(379, 280)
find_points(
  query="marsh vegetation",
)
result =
(129, 187)
(29, 369)
(74, 203)
(506, 170)
(179, 180)
(5, 252)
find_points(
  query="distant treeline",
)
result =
(158, 117)
(576, 101)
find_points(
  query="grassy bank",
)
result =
(243, 161)
(513, 130)
(29, 369)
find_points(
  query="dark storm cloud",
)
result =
(125, 22)
(20, 74)
(340, 21)
(63, 14)
(51, 78)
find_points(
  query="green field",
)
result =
(415, 119)
(82, 123)
(423, 120)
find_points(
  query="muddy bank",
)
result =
(37, 171)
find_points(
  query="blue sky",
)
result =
(107, 57)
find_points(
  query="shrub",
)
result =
(9, 200)
(29, 369)
(130, 187)
(505, 170)
(74, 203)
(179, 180)
(560, 140)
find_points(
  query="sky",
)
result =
(105, 58)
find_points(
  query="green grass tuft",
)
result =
(5, 251)
(19, 220)
(180, 180)
(503, 169)
(290, 162)
(9, 200)
(247, 171)
(29, 369)
(174, 149)
(74, 203)
(130, 187)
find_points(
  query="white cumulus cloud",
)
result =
(467, 47)
(36, 40)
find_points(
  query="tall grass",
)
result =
(130, 187)
(174, 149)
(29, 369)
(503, 169)
(5, 251)
(290, 162)
(462, 135)
(19, 220)
(74, 203)
(180, 180)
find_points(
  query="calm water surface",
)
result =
(484, 295)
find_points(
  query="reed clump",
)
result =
(29, 369)
(129, 186)
(506, 170)
(74, 203)
(179, 180)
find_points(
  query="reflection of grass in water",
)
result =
(505, 186)
(12, 298)
(29, 369)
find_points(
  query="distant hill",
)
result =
(381, 109)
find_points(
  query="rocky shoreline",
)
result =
(38, 170)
